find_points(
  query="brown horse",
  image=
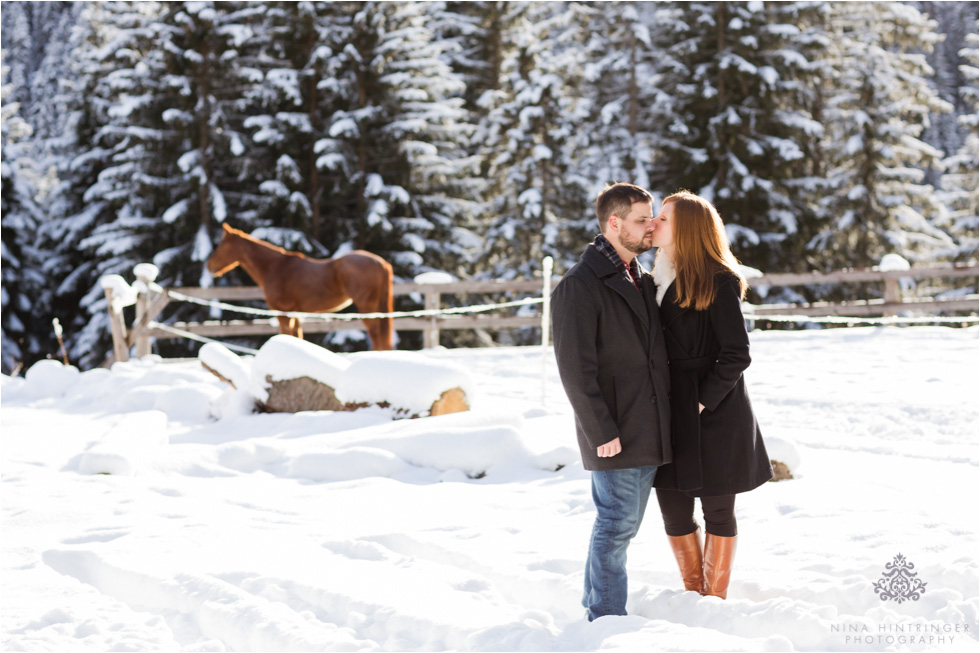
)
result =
(294, 282)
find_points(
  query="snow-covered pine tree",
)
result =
(740, 128)
(626, 101)
(537, 202)
(960, 182)
(37, 37)
(200, 178)
(72, 271)
(19, 220)
(290, 53)
(956, 22)
(466, 32)
(391, 150)
(166, 92)
(876, 108)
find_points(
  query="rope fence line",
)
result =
(459, 310)
(198, 338)
(843, 319)
(480, 308)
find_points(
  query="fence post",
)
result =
(119, 347)
(430, 336)
(146, 275)
(893, 295)
(546, 272)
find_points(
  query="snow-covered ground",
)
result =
(350, 531)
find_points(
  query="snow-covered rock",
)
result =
(784, 451)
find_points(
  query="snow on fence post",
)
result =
(116, 323)
(547, 268)
(146, 274)
(893, 288)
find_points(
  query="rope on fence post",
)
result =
(548, 266)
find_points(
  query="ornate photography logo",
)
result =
(898, 582)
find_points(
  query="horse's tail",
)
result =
(388, 305)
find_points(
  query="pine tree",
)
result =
(391, 149)
(165, 93)
(290, 53)
(537, 203)
(956, 22)
(960, 182)
(22, 280)
(626, 102)
(37, 37)
(880, 101)
(624, 91)
(75, 206)
(738, 126)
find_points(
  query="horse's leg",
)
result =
(381, 301)
(284, 325)
(374, 333)
(297, 326)
(367, 281)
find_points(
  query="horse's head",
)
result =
(225, 256)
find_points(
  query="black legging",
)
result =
(678, 512)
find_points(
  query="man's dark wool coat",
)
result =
(719, 451)
(613, 363)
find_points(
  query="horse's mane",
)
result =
(263, 243)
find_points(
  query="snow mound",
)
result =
(284, 357)
(472, 442)
(134, 440)
(190, 403)
(406, 380)
(226, 363)
(346, 465)
(49, 378)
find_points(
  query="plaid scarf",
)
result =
(631, 272)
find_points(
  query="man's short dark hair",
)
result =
(616, 199)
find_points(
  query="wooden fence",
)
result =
(149, 306)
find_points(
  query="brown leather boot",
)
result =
(719, 552)
(687, 550)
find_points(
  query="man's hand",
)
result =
(609, 449)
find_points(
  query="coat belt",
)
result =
(691, 363)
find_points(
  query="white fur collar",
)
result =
(663, 275)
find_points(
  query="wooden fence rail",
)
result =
(150, 305)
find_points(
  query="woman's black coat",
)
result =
(719, 451)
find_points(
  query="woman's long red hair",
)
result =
(701, 250)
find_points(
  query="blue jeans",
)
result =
(620, 498)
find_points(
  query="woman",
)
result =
(718, 450)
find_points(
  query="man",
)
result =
(613, 364)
